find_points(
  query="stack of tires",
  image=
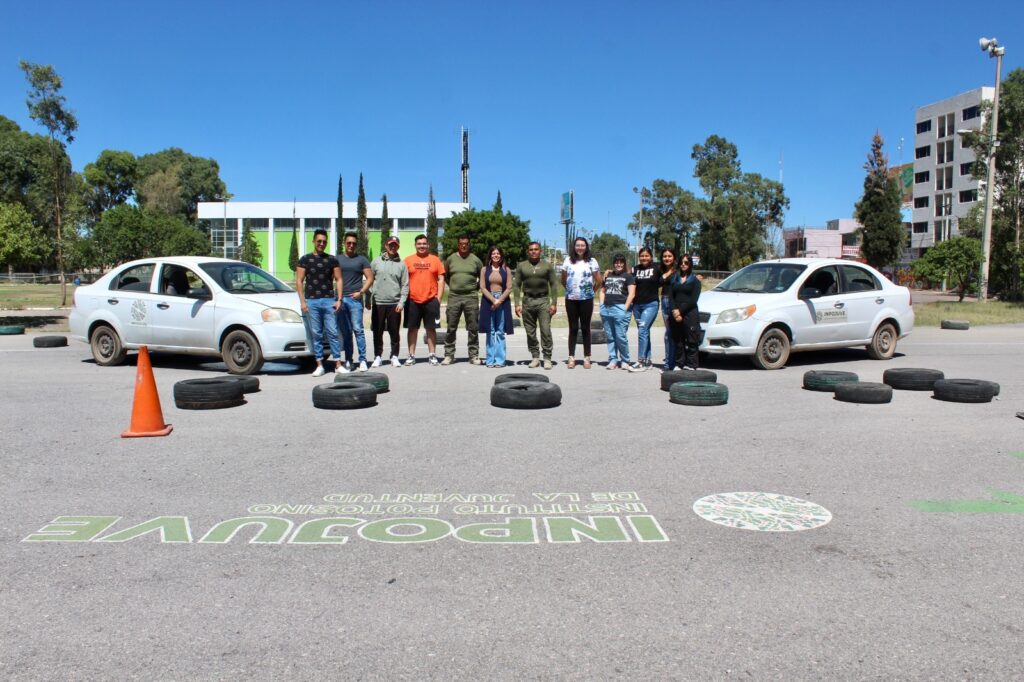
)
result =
(847, 387)
(351, 391)
(214, 393)
(525, 391)
(697, 387)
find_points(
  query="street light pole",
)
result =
(990, 45)
(640, 227)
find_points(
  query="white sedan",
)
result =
(197, 305)
(772, 308)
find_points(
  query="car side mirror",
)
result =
(808, 293)
(201, 293)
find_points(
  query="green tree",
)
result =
(385, 224)
(110, 180)
(497, 202)
(293, 248)
(176, 181)
(485, 228)
(128, 232)
(604, 246)
(671, 217)
(879, 210)
(21, 242)
(363, 240)
(956, 260)
(432, 226)
(47, 107)
(340, 223)
(249, 251)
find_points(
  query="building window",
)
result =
(922, 152)
(920, 202)
(224, 237)
(965, 168)
(284, 224)
(921, 228)
(924, 126)
(318, 224)
(944, 178)
(943, 205)
(971, 112)
(923, 176)
(411, 224)
(348, 224)
(257, 224)
(968, 195)
(946, 125)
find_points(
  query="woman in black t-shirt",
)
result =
(685, 317)
(645, 305)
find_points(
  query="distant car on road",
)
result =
(190, 304)
(772, 308)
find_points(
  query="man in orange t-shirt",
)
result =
(426, 285)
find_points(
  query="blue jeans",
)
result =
(350, 321)
(670, 345)
(496, 338)
(616, 328)
(321, 319)
(644, 314)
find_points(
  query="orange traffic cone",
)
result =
(147, 417)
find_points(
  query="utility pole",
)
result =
(994, 50)
(465, 165)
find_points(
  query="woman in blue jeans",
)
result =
(495, 306)
(645, 306)
(669, 273)
(617, 291)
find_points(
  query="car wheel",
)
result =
(526, 395)
(772, 350)
(883, 343)
(106, 346)
(867, 392)
(699, 393)
(241, 353)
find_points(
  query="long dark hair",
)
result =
(572, 252)
(492, 249)
(689, 264)
(675, 259)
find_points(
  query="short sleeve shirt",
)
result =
(579, 279)
(352, 272)
(423, 274)
(648, 281)
(616, 288)
(319, 281)
(463, 274)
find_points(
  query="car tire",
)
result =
(241, 352)
(520, 376)
(698, 393)
(960, 325)
(883, 342)
(596, 336)
(994, 385)
(868, 392)
(912, 378)
(249, 384)
(344, 395)
(11, 330)
(50, 341)
(378, 380)
(107, 349)
(772, 350)
(526, 395)
(596, 323)
(963, 391)
(826, 381)
(673, 376)
(211, 393)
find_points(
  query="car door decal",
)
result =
(140, 314)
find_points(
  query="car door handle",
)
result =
(840, 304)
(163, 306)
(112, 301)
(879, 301)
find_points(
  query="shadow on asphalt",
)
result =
(206, 364)
(796, 360)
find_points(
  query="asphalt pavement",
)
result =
(472, 542)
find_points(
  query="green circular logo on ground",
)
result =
(761, 511)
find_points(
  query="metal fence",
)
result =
(48, 278)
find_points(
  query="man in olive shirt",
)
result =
(462, 270)
(536, 293)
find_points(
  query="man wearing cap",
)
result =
(390, 291)
(536, 294)
(318, 282)
(462, 271)
(357, 278)
(426, 286)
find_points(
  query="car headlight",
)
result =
(281, 315)
(735, 314)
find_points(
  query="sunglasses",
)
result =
(319, 241)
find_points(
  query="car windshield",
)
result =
(239, 278)
(762, 278)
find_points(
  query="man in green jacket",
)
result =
(536, 296)
(389, 291)
(462, 270)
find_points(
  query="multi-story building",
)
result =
(838, 239)
(944, 188)
(272, 224)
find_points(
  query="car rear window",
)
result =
(135, 278)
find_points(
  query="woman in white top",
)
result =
(581, 277)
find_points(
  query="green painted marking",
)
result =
(315, 532)
(600, 529)
(646, 529)
(428, 530)
(1018, 455)
(72, 529)
(513, 530)
(1003, 503)
(273, 530)
(171, 529)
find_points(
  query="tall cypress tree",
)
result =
(497, 203)
(250, 250)
(385, 224)
(340, 224)
(293, 250)
(879, 210)
(363, 241)
(432, 221)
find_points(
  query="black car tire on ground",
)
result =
(596, 336)
(526, 395)
(960, 325)
(378, 380)
(344, 395)
(520, 376)
(826, 380)
(964, 391)
(868, 392)
(676, 375)
(11, 329)
(994, 385)
(249, 384)
(208, 394)
(50, 341)
(912, 378)
(699, 393)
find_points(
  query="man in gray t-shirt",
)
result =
(357, 278)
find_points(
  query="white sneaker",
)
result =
(319, 371)
(362, 366)
(395, 362)
(410, 361)
(341, 369)
(376, 362)
(433, 360)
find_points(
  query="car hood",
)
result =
(282, 299)
(714, 302)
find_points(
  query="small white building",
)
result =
(838, 239)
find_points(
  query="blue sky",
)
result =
(597, 97)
